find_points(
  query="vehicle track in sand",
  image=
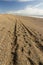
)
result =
(20, 45)
(25, 51)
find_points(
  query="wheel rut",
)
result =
(25, 50)
(21, 45)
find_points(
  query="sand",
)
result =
(21, 40)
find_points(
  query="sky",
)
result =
(22, 7)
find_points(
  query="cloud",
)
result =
(25, 0)
(18, 0)
(8, 0)
(28, 11)
(40, 5)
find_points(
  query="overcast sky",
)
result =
(22, 7)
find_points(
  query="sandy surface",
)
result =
(21, 40)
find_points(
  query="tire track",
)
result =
(22, 47)
(36, 38)
(15, 56)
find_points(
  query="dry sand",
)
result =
(21, 40)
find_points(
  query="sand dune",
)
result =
(21, 40)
